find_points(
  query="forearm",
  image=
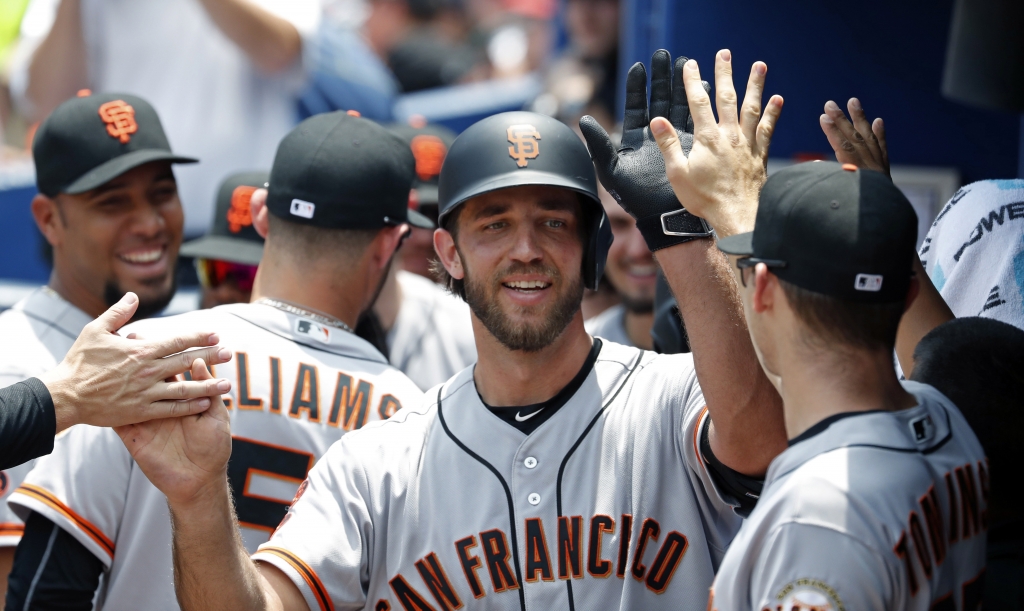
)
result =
(927, 311)
(746, 411)
(57, 69)
(212, 569)
(272, 43)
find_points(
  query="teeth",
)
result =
(527, 284)
(643, 270)
(147, 256)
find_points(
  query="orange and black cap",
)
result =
(429, 145)
(339, 171)
(232, 236)
(833, 229)
(88, 141)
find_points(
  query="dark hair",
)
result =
(979, 364)
(451, 225)
(870, 326)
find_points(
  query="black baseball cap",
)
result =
(232, 237)
(429, 144)
(89, 140)
(833, 229)
(339, 171)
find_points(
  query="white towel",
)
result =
(974, 251)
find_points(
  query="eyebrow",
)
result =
(549, 204)
(115, 184)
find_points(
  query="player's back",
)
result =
(297, 387)
(867, 510)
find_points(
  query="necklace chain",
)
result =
(291, 308)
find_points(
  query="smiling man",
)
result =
(560, 472)
(108, 205)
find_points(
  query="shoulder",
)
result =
(425, 294)
(386, 445)
(166, 325)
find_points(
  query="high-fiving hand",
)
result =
(860, 142)
(635, 173)
(183, 457)
(721, 178)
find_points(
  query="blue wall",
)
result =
(890, 54)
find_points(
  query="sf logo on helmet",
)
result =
(120, 120)
(525, 143)
(239, 214)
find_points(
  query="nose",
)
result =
(525, 248)
(147, 220)
(636, 246)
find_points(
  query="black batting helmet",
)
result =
(516, 149)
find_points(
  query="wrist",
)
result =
(210, 501)
(62, 393)
(666, 229)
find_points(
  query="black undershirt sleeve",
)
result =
(27, 422)
(52, 570)
(743, 488)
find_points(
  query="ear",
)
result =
(766, 284)
(386, 243)
(912, 292)
(260, 213)
(444, 246)
(48, 219)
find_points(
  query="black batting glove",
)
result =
(635, 174)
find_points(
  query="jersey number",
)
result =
(249, 458)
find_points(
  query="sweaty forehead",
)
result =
(521, 199)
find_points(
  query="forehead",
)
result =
(521, 200)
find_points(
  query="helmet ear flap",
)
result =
(599, 240)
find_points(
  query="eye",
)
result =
(556, 223)
(496, 225)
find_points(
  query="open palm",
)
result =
(182, 456)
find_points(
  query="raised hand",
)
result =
(861, 143)
(722, 176)
(185, 456)
(635, 173)
(109, 380)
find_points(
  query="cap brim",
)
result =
(741, 244)
(110, 170)
(418, 220)
(235, 250)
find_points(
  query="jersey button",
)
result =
(534, 499)
(530, 462)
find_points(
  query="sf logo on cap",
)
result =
(239, 214)
(525, 143)
(429, 152)
(120, 120)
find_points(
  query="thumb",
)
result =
(668, 141)
(600, 145)
(119, 314)
(200, 372)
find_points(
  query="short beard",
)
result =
(520, 337)
(112, 293)
(638, 306)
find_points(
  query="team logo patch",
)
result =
(923, 429)
(429, 152)
(120, 120)
(868, 282)
(808, 595)
(239, 214)
(311, 329)
(525, 140)
(303, 209)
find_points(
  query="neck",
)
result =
(510, 378)
(638, 328)
(76, 293)
(316, 287)
(389, 302)
(816, 384)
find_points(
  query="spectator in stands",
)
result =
(979, 364)
(223, 74)
(226, 258)
(632, 272)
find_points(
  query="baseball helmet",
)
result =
(516, 149)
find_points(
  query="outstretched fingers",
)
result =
(725, 91)
(766, 127)
(635, 116)
(600, 145)
(167, 346)
(863, 127)
(698, 99)
(750, 112)
(676, 163)
(184, 361)
(878, 129)
(661, 84)
(118, 314)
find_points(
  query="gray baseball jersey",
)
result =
(35, 335)
(607, 505)
(868, 511)
(297, 387)
(432, 338)
(611, 325)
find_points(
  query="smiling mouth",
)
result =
(642, 270)
(142, 257)
(526, 286)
